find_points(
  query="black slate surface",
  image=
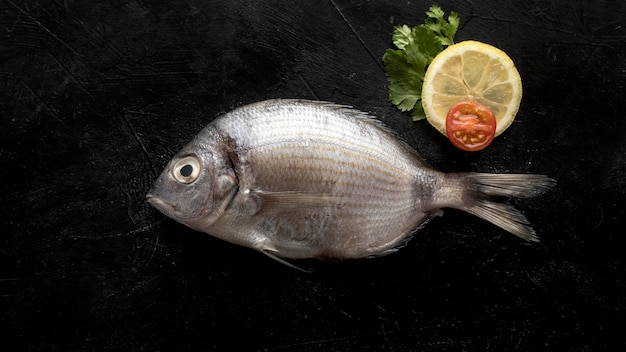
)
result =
(96, 96)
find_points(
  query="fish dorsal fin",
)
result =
(349, 111)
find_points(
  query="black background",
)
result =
(96, 96)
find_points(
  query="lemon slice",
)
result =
(472, 71)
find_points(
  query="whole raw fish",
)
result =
(309, 179)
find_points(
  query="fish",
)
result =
(294, 179)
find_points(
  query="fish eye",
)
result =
(187, 169)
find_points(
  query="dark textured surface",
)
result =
(96, 96)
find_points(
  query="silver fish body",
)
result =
(309, 179)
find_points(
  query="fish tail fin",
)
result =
(480, 193)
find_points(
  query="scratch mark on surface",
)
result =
(119, 234)
(17, 20)
(308, 87)
(599, 206)
(71, 74)
(44, 28)
(587, 39)
(42, 103)
(96, 37)
(346, 314)
(156, 245)
(345, 19)
(294, 346)
(143, 146)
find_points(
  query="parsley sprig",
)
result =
(405, 66)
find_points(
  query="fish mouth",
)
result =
(166, 208)
(160, 204)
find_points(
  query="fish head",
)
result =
(198, 184)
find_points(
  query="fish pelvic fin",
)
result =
(480, 192)
(269, 250)
(271, 254)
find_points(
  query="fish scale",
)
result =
(268, 124)
(309, 179)
(367, 200)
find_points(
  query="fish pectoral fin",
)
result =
(270, 251)
(258, 200)
(298, 198)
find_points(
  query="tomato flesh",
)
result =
(470, 126)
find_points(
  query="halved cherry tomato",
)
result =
(470, 126)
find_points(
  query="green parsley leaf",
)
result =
(401, 36)
(405, 81)
(445, 30)
(416, 48)
(423, 48)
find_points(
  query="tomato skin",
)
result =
(470, 126)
